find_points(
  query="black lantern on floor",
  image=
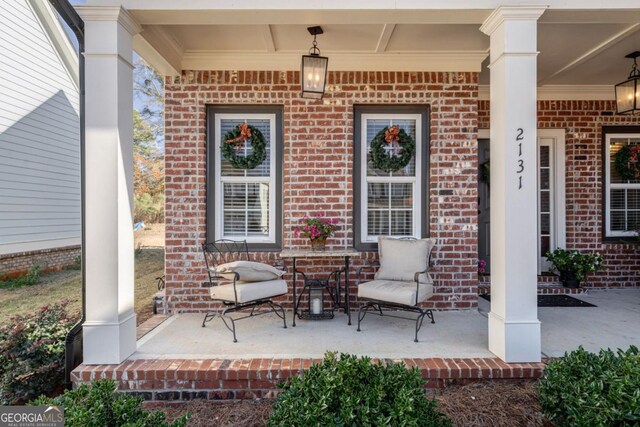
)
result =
(314, 69)
(628, 92)
(315, 290)
(316, 301)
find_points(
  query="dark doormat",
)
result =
(555, 301)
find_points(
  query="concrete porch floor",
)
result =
(615, 322)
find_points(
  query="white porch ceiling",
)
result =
(577, 47)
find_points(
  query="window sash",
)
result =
(415, 180)
(609, 186)
(220, 180)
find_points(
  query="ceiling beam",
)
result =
(160, 49)
(592, 52)
(267, 36)
(385, 36)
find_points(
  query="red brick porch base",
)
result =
(172, 380)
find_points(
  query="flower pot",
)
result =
(569, 279)
(318, 244)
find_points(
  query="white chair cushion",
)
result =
(394, 291)
(401, 259)
(250, 291)
(249, 271)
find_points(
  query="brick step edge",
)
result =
(164, 380)
(543, 289)
(543, 279)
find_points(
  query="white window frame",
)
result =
(220, 180)
(416, 180)
(608, 186)
(555, 140)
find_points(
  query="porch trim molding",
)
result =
(159, 48)
(463, 61)
(503, 14)
(110, 14)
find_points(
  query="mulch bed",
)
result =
(206, 413)
(494, 404)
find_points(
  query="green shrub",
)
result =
(32, 353)
(352, 391)
(149, 208)
(29, 279)
(100, 405)
(77, 264)
(576, 262)
(589, 389)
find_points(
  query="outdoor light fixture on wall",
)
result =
(314, 69)
(628, 92)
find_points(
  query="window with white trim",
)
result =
(390, 203)
(245, 204)
(622, 196)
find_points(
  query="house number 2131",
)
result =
(520, 169)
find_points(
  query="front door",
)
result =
(484, 224)
(550, 195)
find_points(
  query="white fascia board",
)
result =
(355, 61)
(58, 38)
(359, 4)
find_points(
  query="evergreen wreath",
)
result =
(485, 172)
(235, 139)
(626, 163)
(400, 141)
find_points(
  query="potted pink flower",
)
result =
(317, 230)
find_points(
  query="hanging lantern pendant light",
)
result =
(314, 69)
(628, 92)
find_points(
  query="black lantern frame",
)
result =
(315, 292)
(313, 69)
(628, 92)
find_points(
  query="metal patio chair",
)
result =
(399, 295)
(236, 295)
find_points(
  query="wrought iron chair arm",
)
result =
(214, 278)
(416, 278)
(370, 265)
(281, 266)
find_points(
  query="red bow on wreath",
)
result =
(245, 133)
(392, 136)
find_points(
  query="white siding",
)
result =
(39, 137)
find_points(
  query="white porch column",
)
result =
(514, 328)
(109, 332)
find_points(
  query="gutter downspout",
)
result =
(73, 342)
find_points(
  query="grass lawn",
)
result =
(60, 285)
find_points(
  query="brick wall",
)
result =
(583, 121)
(18, 264)
(318, 164)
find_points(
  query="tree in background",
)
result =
(148, 144)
